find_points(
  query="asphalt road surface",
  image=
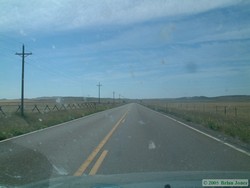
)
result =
(130, 138)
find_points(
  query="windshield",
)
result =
(90, 88)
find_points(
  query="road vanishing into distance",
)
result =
(127, 139)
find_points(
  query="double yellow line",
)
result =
(92, 156)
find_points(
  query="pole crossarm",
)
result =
(25, 54)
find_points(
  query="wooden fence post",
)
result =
(62, 106)
(1, 110)
(35, 108)
(46, 107)
(19, 107)
(69, 106)
(74, 106)
(55, 107)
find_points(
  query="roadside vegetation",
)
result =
(13, 124)
(230, 118)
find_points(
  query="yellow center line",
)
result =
(91, 157)
(98, 163)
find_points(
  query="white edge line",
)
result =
(54, 126)
(212, 137)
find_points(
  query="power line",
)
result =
(55, 72)
(52, 72)
(23, 55)
(5, 48)
(9, 39)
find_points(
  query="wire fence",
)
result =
(7, 109)
(218, 109)
(230, 110)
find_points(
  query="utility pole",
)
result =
(113, 97)
(23, 55)
(99, 92)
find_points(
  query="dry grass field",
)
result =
(230, 116)
(43, 113)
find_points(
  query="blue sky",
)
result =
(139, 49)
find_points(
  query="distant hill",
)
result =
(71, 99)
(229, 98)
(184, 99)
(218, 98)
(233, 98)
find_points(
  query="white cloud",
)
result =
(236, 34)
(70, 14)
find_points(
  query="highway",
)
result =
(127, 139)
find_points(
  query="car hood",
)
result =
(145, 180)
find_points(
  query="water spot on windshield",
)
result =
(60, 170)
(151, 145)
(163, 62)
(111, 118)
(59, 100)
(18, 177)
(191, 67)
(142, 122)
(167, 32)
